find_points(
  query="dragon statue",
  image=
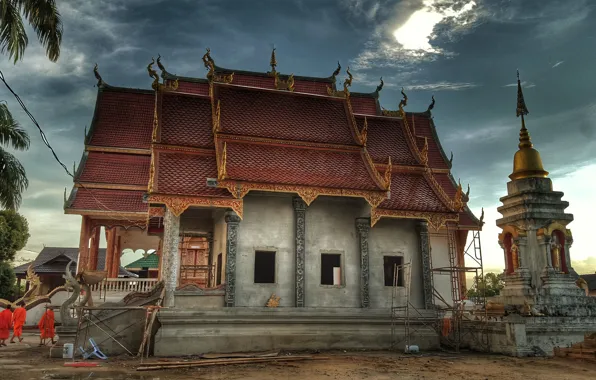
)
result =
(31, 297)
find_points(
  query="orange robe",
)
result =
(46, 325)
(18, 320)
(5, 323)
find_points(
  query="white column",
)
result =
(171, 258)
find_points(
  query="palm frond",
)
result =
(13, 181)
(13, 38)
(44, 18)
(11, 132)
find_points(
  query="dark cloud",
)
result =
(477, 54)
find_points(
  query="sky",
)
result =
(464, 52)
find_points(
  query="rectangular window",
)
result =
(219, 269)
(264, 267)
(392, 266)
(330, 269)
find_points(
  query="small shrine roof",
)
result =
(123, 118)
(186, 174)
(284, 115)
(186, 121)
(107, 200)
(114, 168)
(298, 166)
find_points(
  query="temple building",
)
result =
(253, 184)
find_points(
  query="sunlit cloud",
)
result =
(442, 86)
(524, 84)
(557, 64)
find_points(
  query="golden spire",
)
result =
(273, 62)
(526, 162)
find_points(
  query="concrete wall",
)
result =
(440, 258)
(394, 237)
(331, 228)
(267, 225)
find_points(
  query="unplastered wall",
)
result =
(331, 228)
(394, 237)
(440, 259)
(267, 225)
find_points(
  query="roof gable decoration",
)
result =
(345, 93)
(400, 111)
(211, 74)
(336, 72)
(100, 82)
(364, 132)
(155, 85)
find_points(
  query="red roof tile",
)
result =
(363, 105)
(193, 88)
(283, 115)
(115, 168)
(446, 184)
(411, 192)
(186, 120)
(298, 166)
(311, 87)
(386, 138)
(423, 128)
(179, 173)
(123, 119)
(254, 81)
(466, 219)
(109, 200)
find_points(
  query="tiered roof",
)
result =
(261, 132)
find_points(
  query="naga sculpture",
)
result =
(345, 93)
(71, 283)
(30, 298)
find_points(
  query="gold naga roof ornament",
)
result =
(364, 132)
(345, 93)
(387, 176)
(458, 202)
(287, 85)
(273, 64)
(400, 111)
(171, 86)
(451, 159)
(527, 162)
(222, 172)
(211, 75)
(424, 152)
(153, 74)
(100, 81)
(380, 86)
(336, 72)
(482, 216)
(468, 192)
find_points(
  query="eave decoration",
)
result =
(308, 193)
(431, 105)
(273, 64)
(400, 111)
(364, 132)
(380, 86)
(424, 152)
(387, 177)
(100, 81)
(221, 171)
(211, 75)
(287, 85)
(436, 220)
(155, 84)
(345, 93)
(179, 204)
(336, 72)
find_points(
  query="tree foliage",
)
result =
(13, 179)
(14, 233)
(42, 16)
(8, 285)
(488, 286)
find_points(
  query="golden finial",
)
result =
(100, 81)
(432, 104)
(380, 86)
(222, 174)
(336, 72)
(273, 63)
(526, 162)
(451, 159)
(153, 74)
(482, 216)
(388, 174)
(404, 101)
(345, 93)
(348, 81)
(468, 191)
(364, 132)
(209, 63)
(65, 200)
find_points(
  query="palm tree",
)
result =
(44, 18)
(13, 180)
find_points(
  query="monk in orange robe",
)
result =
(19, 315)
(46, 327)
(5, 324)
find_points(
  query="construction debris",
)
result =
(264, 354)
(205, 363)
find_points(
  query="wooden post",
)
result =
(82, 262)
(94, 249)
(116, 260)
(160, 257)
(111, 242)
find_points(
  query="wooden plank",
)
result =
(262, 354)
(205, 363)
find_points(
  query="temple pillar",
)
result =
(211, 276)
(232, 222)
(171, 256)
(82, 262)
(94, 248)
(427, 276)
(300, 230)
(363, 227)
(160, 259)
(116, 255)
(568, 243)
(110, 243)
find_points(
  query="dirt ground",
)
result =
(27, 361)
